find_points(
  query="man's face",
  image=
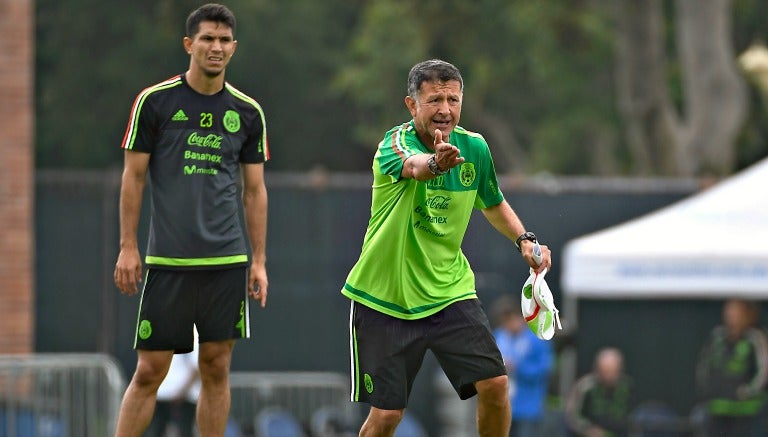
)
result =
(609, 369)
(514, 322)
(736, 317)
(438, 107)
(211, 48)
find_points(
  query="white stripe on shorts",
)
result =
(247, 308)
(352, 369)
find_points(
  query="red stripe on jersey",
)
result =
(394, 142)
(130, 120)
(134, 107)
(266, 147)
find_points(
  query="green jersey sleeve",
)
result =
(398, 145)
(488, 193)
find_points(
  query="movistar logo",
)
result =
(180, 116)
(193, 169)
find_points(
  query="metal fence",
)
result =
(310, 256)
(59, 395)
(316, 402)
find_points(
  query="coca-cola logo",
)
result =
(438, 202)
(210, 141)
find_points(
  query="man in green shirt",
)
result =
(412, 288)
(732, 371)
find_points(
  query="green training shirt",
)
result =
(411, 265)
(197, 143)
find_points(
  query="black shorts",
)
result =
(172, 301)
(387, 352)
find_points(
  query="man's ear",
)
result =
(411, 104)
(187, 45)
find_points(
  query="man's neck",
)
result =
(426, 140)
(203, 84)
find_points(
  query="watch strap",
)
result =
(434, 168)
(530, 236)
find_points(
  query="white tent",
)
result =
(713, 244)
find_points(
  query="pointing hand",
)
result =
(446, 154)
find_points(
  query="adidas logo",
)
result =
(180, 116)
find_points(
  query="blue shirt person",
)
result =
(529, 361)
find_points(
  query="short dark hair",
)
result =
(429, 71)
(505, 306)
(210, 12)
(751, 308)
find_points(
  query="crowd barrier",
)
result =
(59, 395)
(316, 402)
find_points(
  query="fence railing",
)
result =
(315, 400)
(59, 395)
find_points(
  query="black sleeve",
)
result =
(255, 149)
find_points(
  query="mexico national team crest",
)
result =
(232, 121)
(467, 174)
(145, 329)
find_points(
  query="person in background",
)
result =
(600, 402)
(528, 360)
(732, 371)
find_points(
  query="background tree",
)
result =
(700, 136)
(93, 58)
(565, 86)
(751, 27)
(534, 75)
(90, 63)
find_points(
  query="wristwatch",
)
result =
(530, 236)
(434, 168)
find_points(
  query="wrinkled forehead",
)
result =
(448, 87)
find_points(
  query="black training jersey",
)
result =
(197, 143)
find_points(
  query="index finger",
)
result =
(438, 136)
(137, 279)
(263, 299)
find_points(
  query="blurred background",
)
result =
(596, 112)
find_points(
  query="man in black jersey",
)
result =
(196, 136)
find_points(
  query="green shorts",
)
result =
(387, 352)
(172, 301)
